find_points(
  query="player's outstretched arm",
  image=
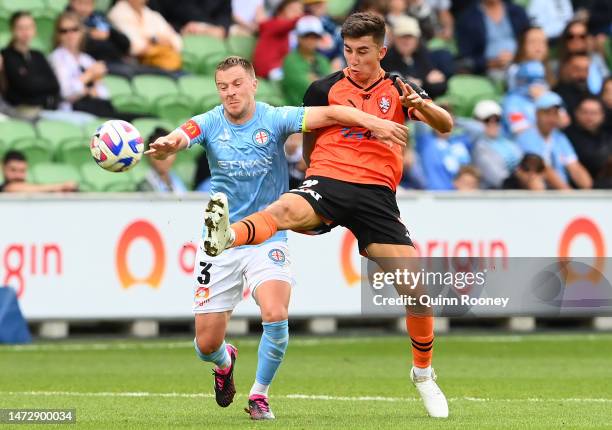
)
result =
(167, 145)
(426, 111)
(386, 131)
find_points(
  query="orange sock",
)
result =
(254, 229)
(420, 330)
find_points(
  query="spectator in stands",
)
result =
(606, 99)
(487, 34)
(434, 17)
(80, 76)
(331, 44)
(573, 86)
(31, 84)
(210, 17)
(247, 15)
(304, 64)
(604, 180)
(467, 179)
(592, 143)
(152, 40)
(493, 154)
(551, 16)
(528, 175)
(409, 58)
(15, 173)
(273, 43)
(160, 177)
(575, 39)
(518, 104)
(102, 41)
(532, 46)
(546, 140)
(441, 156)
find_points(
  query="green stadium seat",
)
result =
(146, 126)
(133, 103)
(243, 46)
(12, 6)
(74, 152)
(35, 149)
(151, 87)
(45, 25)
(201, 53)
(186, 171)
(58, 132)
(174, 107)
(60, 5)
(118, 85)
(339, 8)
(102, 5)
(139, 171)
(269, 92)
(13, 129)
(94, 178)
(202, 46)
(53, 173)
(208, 64)
(467, 90)
(198, 86)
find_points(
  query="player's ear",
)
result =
(382, 52)
(255, 82)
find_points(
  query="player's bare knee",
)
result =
(274, 314)
(282, 212)
(208, 344)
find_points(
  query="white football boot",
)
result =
(218, 232)
(433, 397)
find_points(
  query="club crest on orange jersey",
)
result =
(384, 104)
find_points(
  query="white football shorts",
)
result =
(220, 282)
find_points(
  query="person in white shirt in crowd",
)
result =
(160, 178)
(152, 39)
(247, 14)
(550, 15)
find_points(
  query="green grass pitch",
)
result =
(501, 381)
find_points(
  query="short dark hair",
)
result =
(233, 61)
(13, 155)
(364, 24)
(532, 163)
(590, 98)
(157, 133)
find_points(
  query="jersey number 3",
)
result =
(204, 278)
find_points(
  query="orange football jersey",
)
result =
(352, 154)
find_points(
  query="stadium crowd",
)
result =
(528, 84)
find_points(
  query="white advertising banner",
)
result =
(132, 256)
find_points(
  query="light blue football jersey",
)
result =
(247, 162)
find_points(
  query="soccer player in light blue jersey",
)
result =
(244, 142)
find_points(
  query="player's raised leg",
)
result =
(273, 299)
(210, 346)
(289, 212)
(419, 322)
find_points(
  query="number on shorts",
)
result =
(204, 279)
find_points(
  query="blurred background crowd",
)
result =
(528, 82)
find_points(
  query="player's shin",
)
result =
(420, 330)
(220, 357)
(272, 349)
(254, 229)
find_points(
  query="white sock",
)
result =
(258, 388)
(422, 371)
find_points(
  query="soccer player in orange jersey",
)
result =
(351, 180)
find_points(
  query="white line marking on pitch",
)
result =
(322, 397)
(112, 346)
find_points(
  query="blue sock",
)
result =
(220, 357)
(272, 349)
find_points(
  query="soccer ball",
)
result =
(116, 146)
